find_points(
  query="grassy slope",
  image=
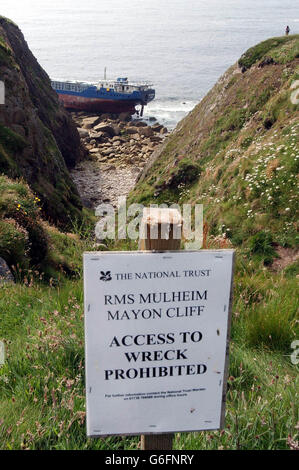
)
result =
(42, 382)
(42, 402)
(242, 140)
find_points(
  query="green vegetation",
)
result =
(42, 402)
(281, 50)
(7, 20)
(29, 242)
(13, 243)
(62, 202)
(262, 244)
(10, 143)
(5, 53)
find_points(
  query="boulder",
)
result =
(98, 136)
(157, 127)
(5, 273)
(109, 151)
(82, 132)
(145, 131)
(267, 61)
(132, 130)
(90, 122)
(117, 130)
(106, 116)
(106, 128)
(156, 138)
(140, 124)
(125, 117)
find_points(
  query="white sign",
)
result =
(2, 92)
(2, 353)
(156, 331)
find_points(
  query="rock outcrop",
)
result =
(5, 273)
(38, 139)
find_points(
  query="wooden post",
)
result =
(160, 231)
(157, 442)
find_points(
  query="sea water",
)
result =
(181, 46)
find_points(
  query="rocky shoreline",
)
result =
(118, 150)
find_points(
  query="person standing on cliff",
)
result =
(287, 30)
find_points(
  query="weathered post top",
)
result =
(160, 229)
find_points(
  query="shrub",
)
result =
(261, 244)
(13, 243)
(185, 173)
(292, 270)
(272, 325)
(10, 140)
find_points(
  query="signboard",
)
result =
(156, 333)
(2, 92)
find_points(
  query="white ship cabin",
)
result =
(121, 85)
(70, 86)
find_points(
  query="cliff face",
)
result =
(38, 139)
(237, 151)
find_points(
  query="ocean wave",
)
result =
(168, 111)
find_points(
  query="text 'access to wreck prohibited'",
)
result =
(156, 333)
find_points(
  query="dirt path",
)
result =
(99, 183)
